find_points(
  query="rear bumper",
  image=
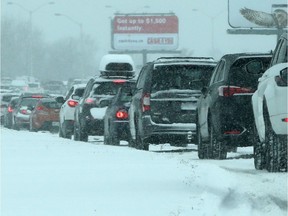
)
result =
(184, 130)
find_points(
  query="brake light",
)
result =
(122, 114)
(40, 108)
(10, 109)
(228, 91)
(37, 96)
(146, 102)
(23, 112)
(72, 103)
(89, 100)
(285, 120)
(232, 132)
(119, 81)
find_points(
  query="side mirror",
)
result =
(254, 67)
(60, 99)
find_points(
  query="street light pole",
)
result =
(30, 12)
(80, 25)
(212, 19)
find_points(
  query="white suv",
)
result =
(67, 110)
(270, 107)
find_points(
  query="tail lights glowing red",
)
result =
(119, 81)
(232, 132)
(285, 120)
(10, 109)
(89, 101)
(122, 114)
(146, 102)
(228, 91)
(40, 108)
(23, 112)
(72, 103)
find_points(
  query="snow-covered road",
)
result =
(44, 175)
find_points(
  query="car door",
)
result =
(209, 98)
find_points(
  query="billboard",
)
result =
(145, 32)
(257, 13)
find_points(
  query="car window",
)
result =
(105, 88)
(192, 77)
(52, 104)
(29, 102)
(239, 76)
(79, 92)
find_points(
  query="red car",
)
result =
(45, 115)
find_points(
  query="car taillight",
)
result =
(122, 114)
(10, 109)
(227, 91)
(89, 100)
(72, 103)
(282, 79)
(119, 81)
(40, 108)
(146, 102)
(285, 120)
(23, 112)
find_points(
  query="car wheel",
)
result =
(258, 151)
(31, 129)
(276, 149)
(60, 131)
(15, 126)
(217, 148)
(203, 150)
(76, 132)
(66, 134)
(140, 142)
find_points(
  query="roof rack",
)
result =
(185, 58)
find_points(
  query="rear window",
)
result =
(238, 75)
(79, 92)
(52, 105)
(192, 77)
(30, 102)
(126, 92)
(106, 88)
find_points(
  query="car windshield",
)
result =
(192, 77)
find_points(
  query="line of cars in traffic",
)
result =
(238, 101)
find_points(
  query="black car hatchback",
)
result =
(164, 102)
(224, 112)
(116, 120)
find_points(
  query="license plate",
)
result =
(188, 106)
(55, 123)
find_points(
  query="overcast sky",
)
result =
(195, 22)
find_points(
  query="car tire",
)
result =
(141, 144)
(217, 148)
(63, 129)
(258, 151)
(31, 129)
(276, 148)
(76, 132)
(203, 149)
(15, 126)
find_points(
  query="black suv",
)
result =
(224, 112)
(164, 101)
(90, 112)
